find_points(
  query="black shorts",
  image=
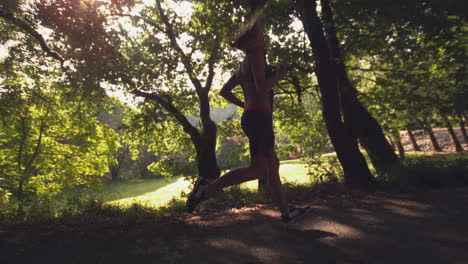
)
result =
(258, 126)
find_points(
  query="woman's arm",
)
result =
(226, 91)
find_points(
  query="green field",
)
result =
(157, 192)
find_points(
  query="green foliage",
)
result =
(325, 169)
(48, 145)
(129, 164)
(173, 165)
(173, 149)
(230, 154)
(406, 57)
(299, 126)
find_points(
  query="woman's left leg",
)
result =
(258, 167)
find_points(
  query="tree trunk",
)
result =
(114, 170)
(356, 117)
(204, 141)
(453, 136)
(205, 146)
(413, 140)
(356, 172)
(433, 139)
(392, 143)
(401, 150)
(463, 130)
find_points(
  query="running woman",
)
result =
(257, 81)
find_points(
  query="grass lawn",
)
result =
(154, 192)
(157, 192)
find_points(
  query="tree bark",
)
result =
(205, 146)
(432, 137)
(453, 136)
(392, 143)
(114, 170)
(401, 150)
(356, 117)
(356, 172)
(463, 129)
(413, 140)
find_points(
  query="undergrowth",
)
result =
(435, 170)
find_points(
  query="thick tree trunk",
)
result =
(433, 139)
(413, 140)
(114, 170)
(356, 117)
(205, 146)
(453, 136)
(206, 142)
(356, 172)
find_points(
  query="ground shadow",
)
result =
(258, 240)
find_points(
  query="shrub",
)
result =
(324, 169)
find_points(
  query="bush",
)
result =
(324, 169)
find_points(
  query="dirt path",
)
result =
(429, 226)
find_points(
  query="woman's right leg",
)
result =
(258, 166)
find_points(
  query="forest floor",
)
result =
(388, 225)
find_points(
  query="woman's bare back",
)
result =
(252, 94)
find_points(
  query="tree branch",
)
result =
(31, 31)
(22, 142)
(369, 70)
(146, 20)
(168, 106)
(183, 57)
(39, 142)
(209, 80)
(362, 77)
